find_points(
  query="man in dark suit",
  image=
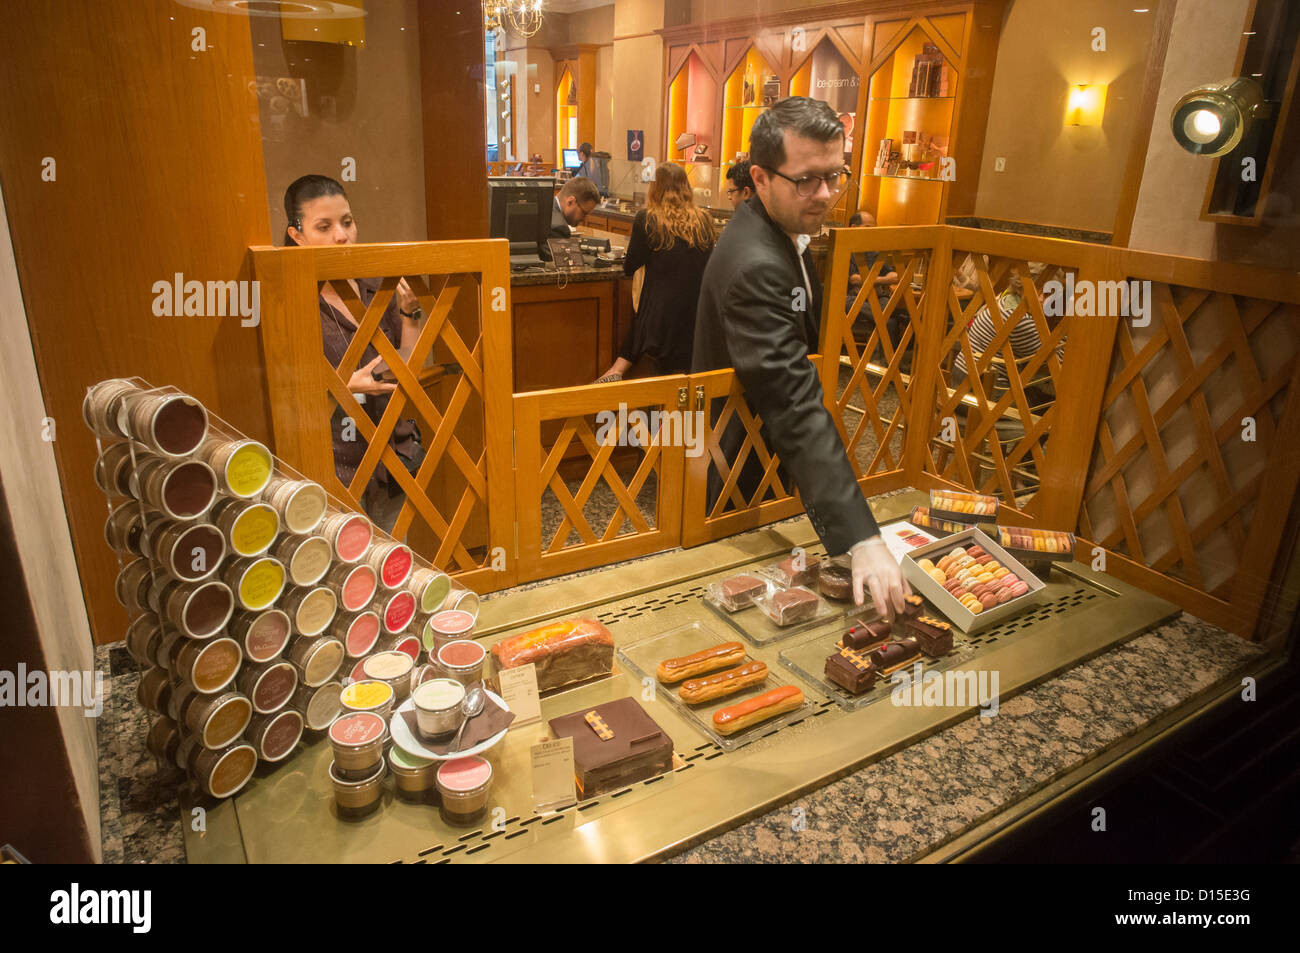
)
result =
(759, 313)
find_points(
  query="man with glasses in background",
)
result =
(760, 313)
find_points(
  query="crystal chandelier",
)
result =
(524, 17)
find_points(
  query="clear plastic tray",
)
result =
(807, 659)
(758, 629)
(643, 659)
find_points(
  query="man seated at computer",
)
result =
(572, 206)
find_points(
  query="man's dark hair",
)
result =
(739, 175)
(807, 118)
(582, 189)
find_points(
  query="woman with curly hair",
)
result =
(671, 239)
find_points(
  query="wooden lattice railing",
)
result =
(458, 507)
(1168, 445)
(633, 427)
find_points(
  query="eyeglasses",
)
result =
(806, 185)
(731, 191)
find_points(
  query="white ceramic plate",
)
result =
(414, 746)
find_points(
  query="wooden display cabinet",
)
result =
(911, 95)
(575, 98)
(931, 76)
(835, 53)
(692, 108)
(742, 102)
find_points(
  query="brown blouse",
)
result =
(337, 332)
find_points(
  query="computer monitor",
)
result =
(519, 210)
(571, 160)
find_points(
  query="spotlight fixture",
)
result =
(1211, 120)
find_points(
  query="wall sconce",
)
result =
(1086, 105)
(1210, 120)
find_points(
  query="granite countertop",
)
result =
(519, 279)
(892, 810)
(913, 801)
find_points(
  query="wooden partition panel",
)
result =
(455, 384)
(608, 515)
(1149, 402)
(128, 159)
(1195, 466)
(877, 385)
(1005, 374)
(738, 506)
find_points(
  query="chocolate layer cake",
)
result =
(913, 604)
(894, 655)
(792, 605)
(933, 636)
(618, 746)
(835, 582)
(866, 635)
(850, 671)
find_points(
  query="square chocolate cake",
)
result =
(850, 671)
(789, 571)
(933, 636)
(618, 745)
(792, 605)
(737, 592)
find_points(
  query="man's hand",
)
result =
(874, 568)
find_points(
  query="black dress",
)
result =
(664, 326)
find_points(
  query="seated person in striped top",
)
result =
(983, 329)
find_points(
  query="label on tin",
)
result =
(397, 567)
(310, 561)
(357, 729)
(362, 634)
(305, 509)
(435, 593)
(262, 584)
(398, 614)
(353, 539)
(248, 470)
(216, 665)
(254, 530)
(316, 611)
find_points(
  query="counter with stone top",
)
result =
(893, 810)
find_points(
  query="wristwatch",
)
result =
(410, 314)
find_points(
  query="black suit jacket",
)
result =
(747, 320)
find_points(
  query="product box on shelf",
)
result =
(1036, 548)
(961, 507)
(948, 604)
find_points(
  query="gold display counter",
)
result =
(288, 815)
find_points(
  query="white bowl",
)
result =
(414, 746)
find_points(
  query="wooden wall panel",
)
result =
(455, 137)
(157, 170)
